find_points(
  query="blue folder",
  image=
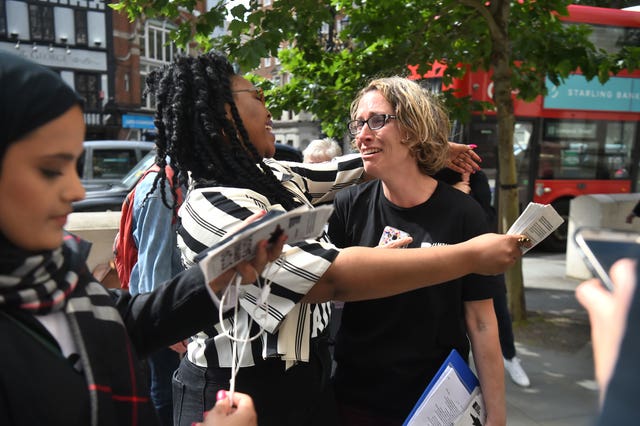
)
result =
(465, 373)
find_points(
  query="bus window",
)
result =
(613, 38)
(521, 135)
(578, 149)
(549, 160)
(619, 147)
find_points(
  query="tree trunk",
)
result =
(508, 206)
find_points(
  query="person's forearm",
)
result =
(175, 310)
(482, 328)
(362, 273)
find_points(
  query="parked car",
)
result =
(288, 153)
(110, 198)
(106, 162)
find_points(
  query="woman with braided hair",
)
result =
(214, 125)
(193, 98)
(70, 351)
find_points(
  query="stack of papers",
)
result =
(452, 398)
(298, 224)
(537, 221)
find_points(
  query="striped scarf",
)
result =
(59, 280)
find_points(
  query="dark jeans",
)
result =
(162, 364)
(505, 328)
(299, 396)
(354, 416)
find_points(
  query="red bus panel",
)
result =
(547, 191)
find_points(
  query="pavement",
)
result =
(555, 350)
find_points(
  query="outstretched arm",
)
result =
(361, 273)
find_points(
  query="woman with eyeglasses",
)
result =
(388, 350)
(214, 125)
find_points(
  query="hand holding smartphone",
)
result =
(391, 234)
(601, 248)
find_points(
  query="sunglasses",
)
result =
(258, 91)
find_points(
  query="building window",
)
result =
(156, 49)
(41, 23)
(89, 87)
(156, 44)
(147, 101)
(266, 2)
(142, 39)
(267, 62)
(80, 18)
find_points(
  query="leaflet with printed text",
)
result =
(452, 398)
(537, 221)
(298, 224)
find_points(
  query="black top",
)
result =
(480, 191)
(39, 386)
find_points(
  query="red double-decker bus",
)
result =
(581, 138)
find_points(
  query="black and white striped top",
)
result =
(209, 213)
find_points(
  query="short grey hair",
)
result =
(321, 150)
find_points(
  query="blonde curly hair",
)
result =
(421, 117)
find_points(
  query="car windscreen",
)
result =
(134, 174)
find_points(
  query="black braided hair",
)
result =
(196, 134)
(161, 178)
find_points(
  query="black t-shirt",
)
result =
(388, 349)
(480, 191)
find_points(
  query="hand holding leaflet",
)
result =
(299, 224)
(537, 221)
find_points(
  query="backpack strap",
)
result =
(168, 170)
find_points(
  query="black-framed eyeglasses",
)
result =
(375, 122)
(258, 91)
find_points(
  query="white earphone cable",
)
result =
(233, 334)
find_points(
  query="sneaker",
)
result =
(517, 374)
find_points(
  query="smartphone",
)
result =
(390, 234)
(601, 248)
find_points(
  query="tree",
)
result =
(522, 42)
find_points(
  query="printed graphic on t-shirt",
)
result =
(428, 244)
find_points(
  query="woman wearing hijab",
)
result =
(70, 351)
